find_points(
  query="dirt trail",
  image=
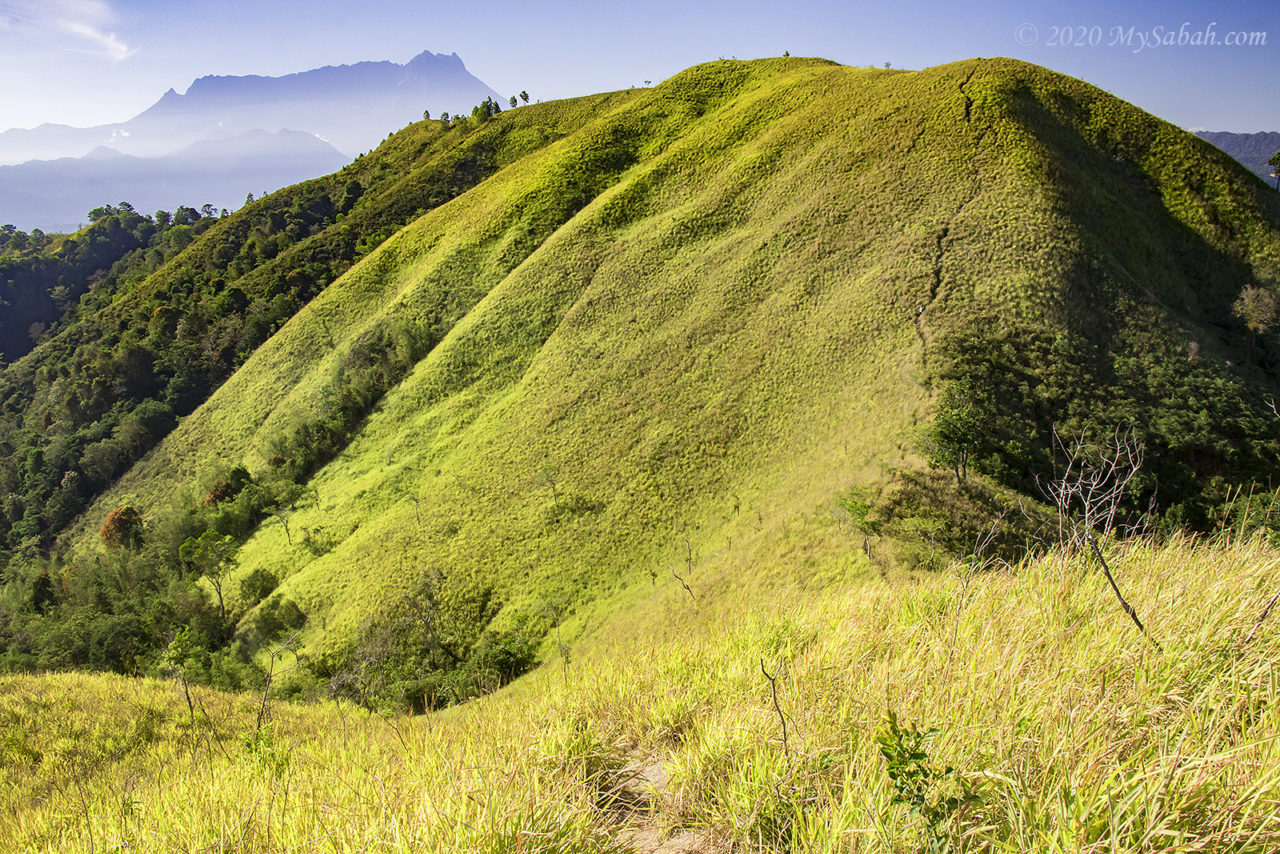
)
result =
(639, 802)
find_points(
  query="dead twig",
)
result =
(688, 562)
(1266, 612)
(1128, 609)
(684, 585)
(773, 686)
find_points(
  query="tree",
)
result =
(122, 528)
(42, 595)
(1257, 307)
(955, 432)
(426, 115)
(512, 101)
(290, 498)
(486, 109)
(175, 662)
(351, 194)
(212, 555)
(860, 506)
(1274, 163)
(524, 96)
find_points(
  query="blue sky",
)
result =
(93, 61)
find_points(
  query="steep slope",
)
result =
(167, 324)
(666, 342)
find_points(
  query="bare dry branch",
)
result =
(773, 686)
(1088, 491)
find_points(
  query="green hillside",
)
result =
(660, 334)
(164, 309)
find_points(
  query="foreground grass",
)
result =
(1070, 731)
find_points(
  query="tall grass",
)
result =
(1033, 689)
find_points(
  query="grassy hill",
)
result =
(675, 335)
(634, 387)
(622, 375)
(168, 322)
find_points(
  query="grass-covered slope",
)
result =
(191, 297)
(666, 341)
(1033, 691)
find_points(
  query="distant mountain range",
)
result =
(227, 136)
(56, 194)
(1254, 150)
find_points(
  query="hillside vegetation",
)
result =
(631, 342)
(182, 300)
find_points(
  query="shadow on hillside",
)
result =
(928, 519)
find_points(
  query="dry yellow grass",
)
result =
(1073, 731)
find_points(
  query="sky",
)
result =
(86, 62)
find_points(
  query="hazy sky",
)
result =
(86, 62)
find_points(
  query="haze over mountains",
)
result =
(1254, 150)
(57, 193)
(331, 114)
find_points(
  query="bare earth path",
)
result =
(639, 799)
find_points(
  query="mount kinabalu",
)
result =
(224, 138)
(351, 106)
